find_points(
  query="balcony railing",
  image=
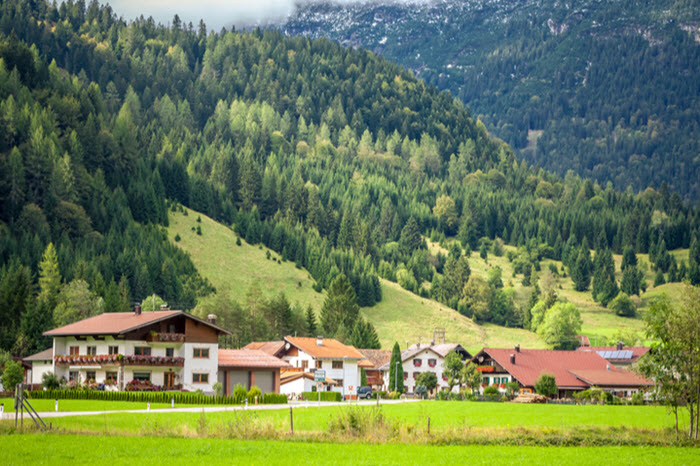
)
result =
(120, 359)
(166, 337)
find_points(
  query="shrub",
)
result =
(12, 375)
(546, 385)
(638, 398)
(443, 395)
(218, 388)
(421, 391)
(239, 394)
(153, 397)
(394, 395)
(325, 396)
(254, 393)
(49, 381)
(491, 392)
(623, 306)
(455, 396)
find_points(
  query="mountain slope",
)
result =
(606, 88)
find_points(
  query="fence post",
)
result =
(291, 421)
(172, 402)
(428, 425)
(56, 405)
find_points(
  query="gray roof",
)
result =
(46, 355)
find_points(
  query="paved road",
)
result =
(214, 409)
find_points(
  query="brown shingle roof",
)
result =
(377, 357)
(329, 349)
(46, 355)
(116, 323)
(249, 358)
(612, 378)
(530, 364)
(273, 348)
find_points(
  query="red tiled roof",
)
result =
(377, 357)
(612, 378)
(249, 358)
(270, 347)
(116, 323)
(329, 348)
(46, 355)
(530, 364)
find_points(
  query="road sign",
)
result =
(350, 388)
(320, 375)
(319, 387)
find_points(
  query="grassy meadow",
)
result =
(232, 268)
(72, 449)
(401, 315)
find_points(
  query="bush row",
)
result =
(154, 397)
(325, 396)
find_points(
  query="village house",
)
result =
(339, 362)
(374, 360)
(419, 358)
(168, 348)
(248, 368)
(573, 371)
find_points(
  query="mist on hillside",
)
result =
(220, 13)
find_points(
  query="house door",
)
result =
(169, 381)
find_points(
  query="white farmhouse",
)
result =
(420, 358)
(171, 349)
(306, 355)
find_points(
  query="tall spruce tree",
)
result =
(411, 238)
(581, 271)
(604, 284)
(310, 318)
(339, 307)
(396, 370)
(49, 278)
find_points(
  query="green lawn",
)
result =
(85, 405)
(443, 416)
(73, 449)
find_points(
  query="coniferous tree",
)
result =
(310, 319)
(694, 262)
(411, 238)
(604, 284)
(396, 370)
(49, 278)
(630, 280)
(581, 270)
(339, 307)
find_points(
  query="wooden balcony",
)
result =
(165, 337)
(120, 360)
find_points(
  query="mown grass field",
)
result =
(443, 416)
(63, 449)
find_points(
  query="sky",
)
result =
(217, 13)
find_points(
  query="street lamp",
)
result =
(396, 377)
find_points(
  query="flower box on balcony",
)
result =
(101, 359)
(137, 360)
(486, 369)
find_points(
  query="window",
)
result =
(202, 353)
(142, 351)
(319, 364)
(142, 376)
(171, 329)
(340, 382)
(305, 364)
(74, 375)
(111, 376)
(405, 375)
(113, 350)
(337, 364)
(170, 352)
(200, 378)
(74, 350)
(417, 362)
(432, 362)
(90, 376)
(91, 350)
(416, 374)
(486, 380)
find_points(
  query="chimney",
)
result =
(620, 345)
(212, 319)
(163, 307)
(517, 348)
(137, 309)
(432, 342)
(319, 340)
(607, 366)
(512, 359)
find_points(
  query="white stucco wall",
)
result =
(39, 368)
(208, 365)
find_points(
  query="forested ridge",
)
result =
(337, 159)
(608, 89)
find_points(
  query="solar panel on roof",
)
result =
(623, 354)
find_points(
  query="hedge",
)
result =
(154, 397)
(325, 396)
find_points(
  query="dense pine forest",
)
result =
(337, 159)
(606, 88)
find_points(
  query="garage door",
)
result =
(239, 377)
(265, 381)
